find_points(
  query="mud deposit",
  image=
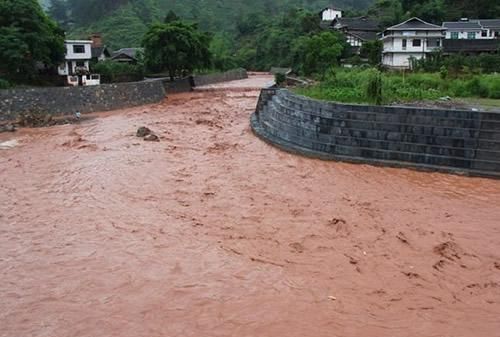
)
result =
(212, 232)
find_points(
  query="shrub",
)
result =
(374, 87)
(280, 79)
(4, 84)
(112, 72)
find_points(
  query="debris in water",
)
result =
(10, 144)
(143, 132)
(152, 138)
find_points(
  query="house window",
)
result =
(404, 44)
(79, 49)
(471, 35)
(454, 35)
(417, 43)
(484, 33)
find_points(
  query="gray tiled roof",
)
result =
(130, 52)
(359, 24)
(490, 23)
(415, 24)
(364, 35)
(466, 25)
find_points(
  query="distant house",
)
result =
(357, 30)
(471, 36)
(492, 25)
(76, 66)
(77, 58)
(465, 29)
(413, 38)
(128, 55)
(99, 51)
(330, 13)
(100, 54)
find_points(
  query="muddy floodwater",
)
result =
(212, 232)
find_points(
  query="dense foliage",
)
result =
(29, 40)
(390, 12)
(357, 85)
(176, 47)
(458, 64)
(293, 39)
(112, 72)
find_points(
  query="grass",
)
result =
(351, 86)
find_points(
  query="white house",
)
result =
(413, 38)
(78, 56)
(330, 13)
(465, 29)
(76, 66)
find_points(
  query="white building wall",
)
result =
(465, 34)
(70, 52)
(331, 14)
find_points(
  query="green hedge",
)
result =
(113, 72)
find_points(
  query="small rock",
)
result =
(151, 138)
(143, 132)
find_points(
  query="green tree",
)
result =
(372, 50)
(176, 47)
(315, 54)
(28, 38)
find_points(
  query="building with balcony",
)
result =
(412, 39)
(78, 56)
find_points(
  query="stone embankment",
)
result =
(63, 101)
(466, 142)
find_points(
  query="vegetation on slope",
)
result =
(353, 86)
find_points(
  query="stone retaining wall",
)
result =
(444, 140)
(68, 100)
(231, 75)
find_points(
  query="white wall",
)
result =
(331, 14)
(464, 35)
(354, 41)
(71, 55)
(400, 60)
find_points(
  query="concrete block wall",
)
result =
(445, 140)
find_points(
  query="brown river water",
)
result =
(212, 232)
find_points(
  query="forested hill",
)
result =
(124, 22)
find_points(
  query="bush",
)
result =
(280, 79)
(113, 72)
(4, 84)
(374, 87)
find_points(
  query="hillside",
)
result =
(123, 22)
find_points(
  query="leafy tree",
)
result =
(59, 11)
(176, 47)
(315, 54)
(27, 38)
(373, 51)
